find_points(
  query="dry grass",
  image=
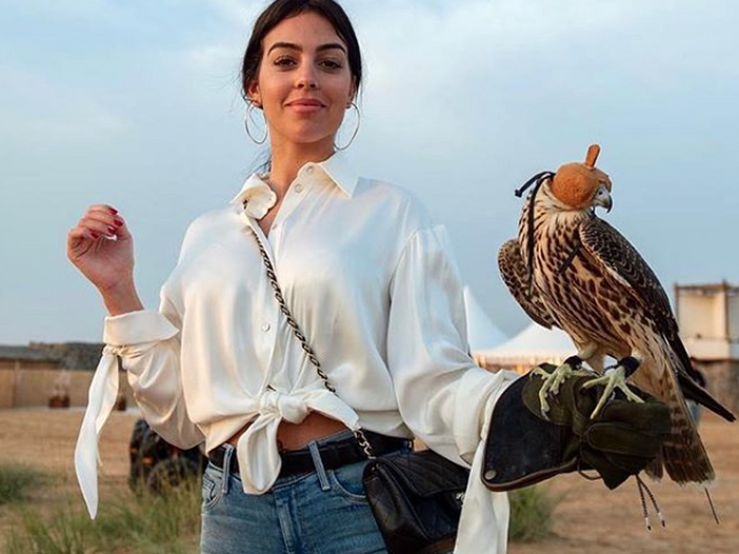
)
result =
(51, 519)
(144, 524)
(589, 519)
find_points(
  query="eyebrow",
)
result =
(321, 48)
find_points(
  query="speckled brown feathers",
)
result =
(626, 268)
(513, 270)
(590, 281)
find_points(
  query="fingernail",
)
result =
(112, 229)
(96, 235)
(118, 222)
(113, 211)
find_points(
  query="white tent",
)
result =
(482, 333)
(532, 346)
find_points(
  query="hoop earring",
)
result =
(356, 130)
(248, 116)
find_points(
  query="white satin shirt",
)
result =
(374, 286)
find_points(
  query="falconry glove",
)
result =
(524, 447)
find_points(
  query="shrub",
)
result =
(531, 514)
(16, 481)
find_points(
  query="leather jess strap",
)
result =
(333, 455)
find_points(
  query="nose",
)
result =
(307, 77)
(307, 82)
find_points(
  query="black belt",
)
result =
(333, 455)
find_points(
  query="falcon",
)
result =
(572, 270)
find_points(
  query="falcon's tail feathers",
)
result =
(694, 391)
(684, 456)
(690, 380)
(655, 469)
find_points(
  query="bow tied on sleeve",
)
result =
(127, 337)
(101, 400)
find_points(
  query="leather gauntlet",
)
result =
(524, 447)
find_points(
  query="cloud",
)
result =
(443, 54)
(109, 13)
(36, 109)
(213, 55)
(237, 12)
(137, 103)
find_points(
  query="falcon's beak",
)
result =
(603, 198)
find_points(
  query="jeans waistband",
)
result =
(330, 452)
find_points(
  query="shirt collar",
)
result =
(257, 194)
(340, 171)
(260, 197)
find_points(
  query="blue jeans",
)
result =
(323, 512)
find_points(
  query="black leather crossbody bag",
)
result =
(416, 497)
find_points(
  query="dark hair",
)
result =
(279, 10)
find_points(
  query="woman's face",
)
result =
(304, 83)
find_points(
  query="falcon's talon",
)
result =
(553, 381)
(614, 378)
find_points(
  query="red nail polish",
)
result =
(96, 235)
(113, 211)
(112, 230)
(118, 222)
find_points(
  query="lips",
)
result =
(308, 102)
(306, 105)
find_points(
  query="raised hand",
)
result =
(101, 247)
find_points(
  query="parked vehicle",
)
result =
(158, 465)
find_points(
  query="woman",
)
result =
(367, 275)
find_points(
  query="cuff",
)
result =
(137, 327)
(478, 391)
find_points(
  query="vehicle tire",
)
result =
(168, 474)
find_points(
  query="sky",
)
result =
(136, 104)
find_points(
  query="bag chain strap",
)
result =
(358, 433)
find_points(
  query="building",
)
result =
(31, 375)
(708, 316)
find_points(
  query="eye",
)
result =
(284, 61)
(331, 64)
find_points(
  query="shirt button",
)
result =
(309, 169)
(266, 327)
(298, 188)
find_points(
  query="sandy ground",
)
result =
(589, 520)
(45, 439)
(592, 519)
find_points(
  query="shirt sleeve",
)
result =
(150, 355)
(443, 396)
(147, 343)
(441, 392)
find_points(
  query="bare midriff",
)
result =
(292, 436)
